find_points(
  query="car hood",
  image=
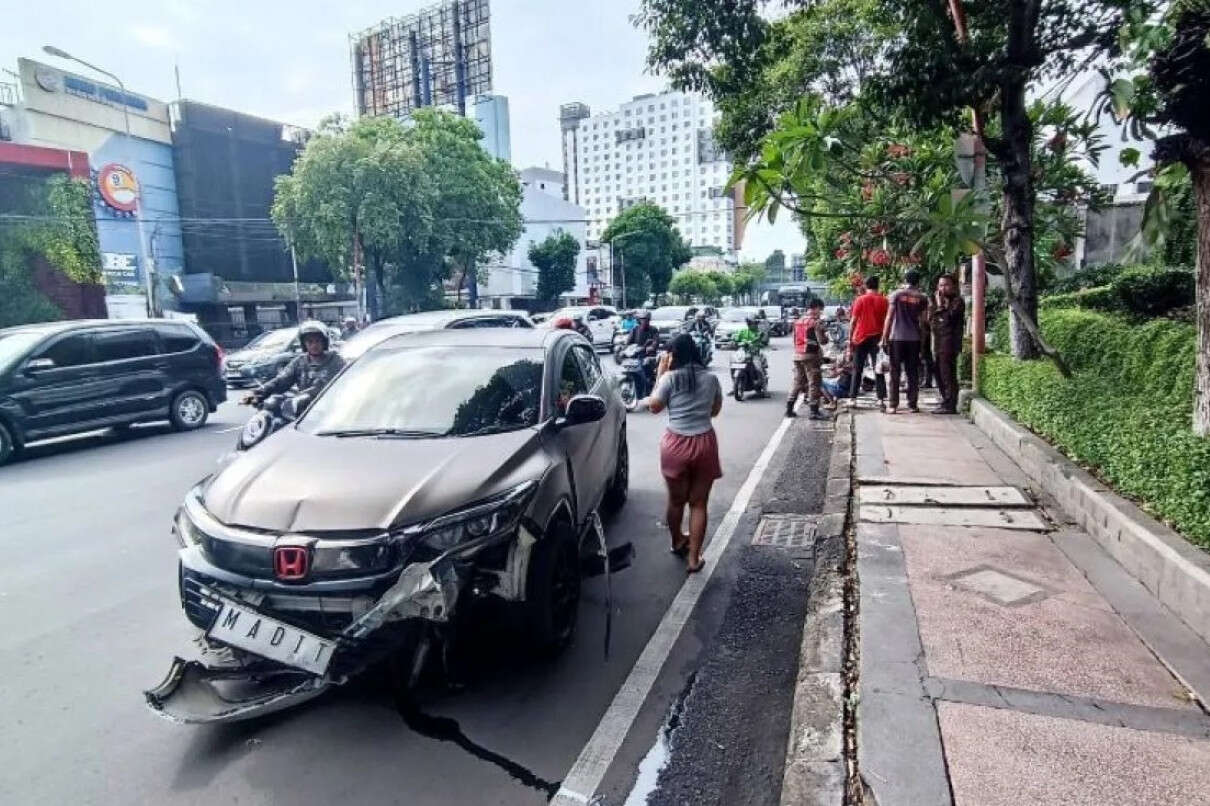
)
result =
(298, 482)
(667, 324)
(252, 356)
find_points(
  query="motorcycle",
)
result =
(705, 345)
(620, 339)
(638, 375)
(749, 372)
(273, 413)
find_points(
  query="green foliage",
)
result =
(20, 300)
(555, 258)
(1099, 298)
(645, 239)
(1148, 291)
(1125, 412)
(693, 286)
(69, 242)
(1087, 277)
(420, 199)
(723, 285)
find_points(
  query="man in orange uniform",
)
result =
(809, 338)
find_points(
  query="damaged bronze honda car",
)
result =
(438, 470)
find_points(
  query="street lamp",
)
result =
(51, 50)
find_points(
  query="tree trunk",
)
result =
(1017, 221)
(1200, 172)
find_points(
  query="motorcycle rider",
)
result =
(644, 334)
(701, 325)
(348, 327)
(753, 341)
(309, 372)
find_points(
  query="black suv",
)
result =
(66, 377)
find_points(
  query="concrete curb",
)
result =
(815, 768)
(1175, 572)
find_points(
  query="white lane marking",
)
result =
(590, 767)
(228, 430)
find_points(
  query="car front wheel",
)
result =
(189, 410)
(8, 445)
(552, 594)
(619, 483)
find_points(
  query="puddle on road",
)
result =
(658, 756)
(445, 729)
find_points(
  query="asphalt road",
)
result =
(89, 617)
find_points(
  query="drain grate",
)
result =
(785, 531)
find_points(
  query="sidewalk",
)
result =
(1005, 658)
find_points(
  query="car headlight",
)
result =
(256, 429)
(496, 516)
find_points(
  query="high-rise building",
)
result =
(656, 148)
(491, 115)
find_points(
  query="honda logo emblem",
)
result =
(291, 563)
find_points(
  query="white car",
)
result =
(602, 321)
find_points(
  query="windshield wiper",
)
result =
(399, 433)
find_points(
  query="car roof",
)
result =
(444, 317)
(65, 325)
(478, 337)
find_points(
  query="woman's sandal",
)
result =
(680, 550)
(693, 569)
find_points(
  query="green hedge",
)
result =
(1101, 298)
(1126, 412)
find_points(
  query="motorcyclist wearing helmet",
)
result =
(751, 338)
(644, 334)
(701, 324)
(309, 372)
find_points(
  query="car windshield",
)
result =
(734, 314)
(355, 346)
(431, 391)
(13, 345)
(273, 340)
(673, 312)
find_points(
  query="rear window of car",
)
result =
(177, 339)
(120, 345)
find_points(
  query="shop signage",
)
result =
(118, 189)
(74, 85)
(119, 267)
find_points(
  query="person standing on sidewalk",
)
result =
(809, 337)
(866, 321)
(901, 335)
(947, 319)
(689, 458)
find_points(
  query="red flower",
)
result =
(1057, 143)
(867, 191)
(880, 257)
(841, 254)
(1061, 251)
(897, 150)
(901, 178)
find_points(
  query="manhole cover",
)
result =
(785, 531)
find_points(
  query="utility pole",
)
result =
(298, 309)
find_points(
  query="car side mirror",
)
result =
(39, 365)
(582, 409)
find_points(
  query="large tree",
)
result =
(646, 242)
(1166, 83)
(555, 258)
(940, 59)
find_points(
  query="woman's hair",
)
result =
(685, 356)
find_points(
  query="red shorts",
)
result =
(695, 456)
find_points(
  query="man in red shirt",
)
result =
(867, 318)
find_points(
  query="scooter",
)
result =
(705, 346)
(273, 413)
(749, 373)
(638, 375)
(620, 339)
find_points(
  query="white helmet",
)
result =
(313, 327)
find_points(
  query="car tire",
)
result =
(552, 594)
(619, 482)
(630, 395)
(8, 443)
(189, 410)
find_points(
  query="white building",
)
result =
(545, 180)
(491, 114)
(656, 148)
(512, 280)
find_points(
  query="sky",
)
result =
(289, 61)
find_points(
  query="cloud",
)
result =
(155, 37)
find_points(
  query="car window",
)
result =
(177, 339)
(588, 365)
(431, 391)
(120, 345)
(571, 381)
(13, 345)
(70, 351)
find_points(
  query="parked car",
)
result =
(601, 320)
(61, 378)
(440, 473)
(731, 321)
(778, 326)
(262, 358)
(463, 319)
(669, 319)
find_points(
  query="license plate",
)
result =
(246, 629)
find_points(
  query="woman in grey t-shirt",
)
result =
(689, 449)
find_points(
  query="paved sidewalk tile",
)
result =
(1007, 607)
(999, 757)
